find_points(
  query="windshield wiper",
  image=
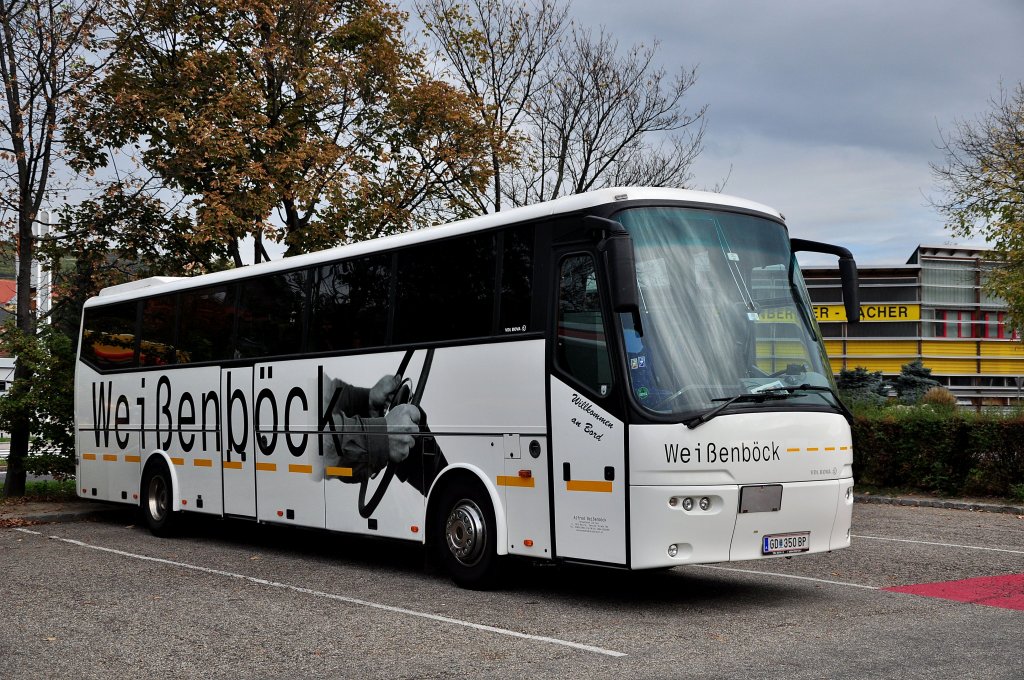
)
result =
(772, 393)
(820, 390)
(729, 401)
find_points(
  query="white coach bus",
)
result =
(629, 377)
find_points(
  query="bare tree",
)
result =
(568, 112)
(42, 66)
(609, 120)
(497, 50)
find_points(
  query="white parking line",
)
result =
(943, 545)
(339, 598)
(792, 576)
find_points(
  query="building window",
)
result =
(954, 323)
(992, 325)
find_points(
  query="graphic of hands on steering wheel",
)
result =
(390, 397)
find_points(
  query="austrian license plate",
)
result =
(780, 544)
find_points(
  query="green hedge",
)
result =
(938, 450)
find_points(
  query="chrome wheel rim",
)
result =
(466, 532)
(157, 498)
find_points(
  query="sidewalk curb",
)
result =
(76, 514)
(52, 517)
(939, 503)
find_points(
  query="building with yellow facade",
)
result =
(934, 308)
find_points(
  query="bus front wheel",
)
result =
(465, 538)
(157, 495)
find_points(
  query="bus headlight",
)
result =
(705, 503)
(673, 550)
(687, 504)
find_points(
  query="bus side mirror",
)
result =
(616, 249)
(847, 272)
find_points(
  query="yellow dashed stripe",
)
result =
(133, 459)
(178, 461)
(88, 456)
(202, 462)
(586, 485)
(305, 469)
(338, 471)
(109, 457)
(817, 449)
(509, 480)
(232, 465)
(266, 467)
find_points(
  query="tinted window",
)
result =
(157, 347)
(270, 315)
(207, 324)
(350, 304)
(445, 290)
(581, 349)
(516, 280)
(108, 336)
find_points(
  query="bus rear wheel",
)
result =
(465, 541)
(157, 495)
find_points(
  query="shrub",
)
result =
(939, 396)
(939, 450)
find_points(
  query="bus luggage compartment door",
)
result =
(238, 445)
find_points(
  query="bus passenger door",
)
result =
(588, 441)
(238, 444)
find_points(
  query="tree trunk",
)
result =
(14, 485)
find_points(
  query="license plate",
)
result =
(780, 544)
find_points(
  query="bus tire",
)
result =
(465, 537)
(157, 500)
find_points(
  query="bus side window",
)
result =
(350, 304)
(271, 317)
(108, 339)
(206, 323)
(159, 316)
(445, 290)
(581, 347)
(516, 281)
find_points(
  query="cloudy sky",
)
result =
(830, 110)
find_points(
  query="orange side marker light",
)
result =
(528, 543)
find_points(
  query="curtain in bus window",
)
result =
(350, 304)
(445, 290)
(108, 336)
(207, 324)
(270, 315)
(516, 281)
(156, 345)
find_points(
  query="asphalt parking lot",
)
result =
(923, 593)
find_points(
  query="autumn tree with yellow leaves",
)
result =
(304, 122)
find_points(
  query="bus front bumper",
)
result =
(666, 530)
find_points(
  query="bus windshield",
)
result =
(724, 313)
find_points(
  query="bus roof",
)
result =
(563, 205)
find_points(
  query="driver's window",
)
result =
(582, 350)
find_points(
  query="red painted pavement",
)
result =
(992, 591)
